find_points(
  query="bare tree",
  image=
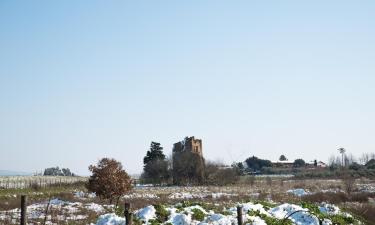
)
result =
(349, 183)
(217, 174)
(342, 152)
(366, 157)
(350, 159)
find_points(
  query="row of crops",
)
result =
(20, 182)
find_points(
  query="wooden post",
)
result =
(128, 214)
(129, 220)
(239, 215)
(23, 210)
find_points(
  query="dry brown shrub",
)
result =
(348, 183)
(365, 211)
(299, 185)
(330, 197)
(109, 180)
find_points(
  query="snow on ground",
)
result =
(187, 195)
(94, 207)
(146, 213)
(180, 219)
(253, 213)
(298, 192)
(366, 188)
(297, 214)
(83, 195)
(201, 195)
(140, 195)
(219, 219)
(62, 211)
(110, 219)
(220, 195)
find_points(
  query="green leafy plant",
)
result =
(162, 213)
(198, 214)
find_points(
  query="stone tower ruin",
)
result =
(189, 144)
(188, 161)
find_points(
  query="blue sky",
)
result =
(80, 80)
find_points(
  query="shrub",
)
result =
(154, 222)
(255, 164)
(269, 181)
(162, 213)
(220, 176)
(251, 180)
(329, 197)
(198, 214)
(109, 180)
(349, 183)
(299, 163)
(269, 220)
(366, 212)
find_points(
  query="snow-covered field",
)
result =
(191, 205)
(185, 213)
(253, 214)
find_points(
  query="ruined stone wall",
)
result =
(190, 145)
(188, 161)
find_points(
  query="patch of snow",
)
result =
(297, 214)
(180, 219)
(219, 219)
(83, 195)
(79, 194)
(370, 188)
(187, 195)
(329, 209)
(254, 207)
(91, 195)
(57, 201)
(94, 207)
(298, 192)
(146, 213)
(110, 219)
(140, 195)
(220, 195)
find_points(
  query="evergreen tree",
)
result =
(155, 153)
(155, 169)
(299, 163)
(283, 158)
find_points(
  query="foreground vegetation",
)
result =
(268, 193)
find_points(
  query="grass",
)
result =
(11, 198)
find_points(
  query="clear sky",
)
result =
(80, 80)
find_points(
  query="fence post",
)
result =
(23, 210)
(239, 215)
(128, 214)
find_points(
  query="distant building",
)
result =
(322, 164)
(282, 164)
(189, 144)
(188, 162)
(290, 164)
